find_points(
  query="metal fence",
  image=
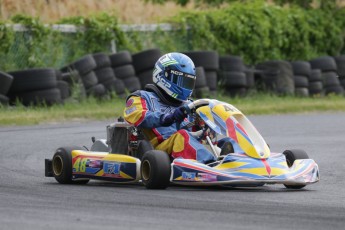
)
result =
(63, 45)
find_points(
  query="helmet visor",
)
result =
(181, 79)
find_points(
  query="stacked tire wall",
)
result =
(34, 87)
(302, 71)
(232, 75)
(123, 69)
(330, 78)
(144, 63)
(106, 76)
(5, 84)
(209, 60)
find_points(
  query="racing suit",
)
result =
(144, 110)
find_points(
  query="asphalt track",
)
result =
(28, 200)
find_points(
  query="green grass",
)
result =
(92, 109)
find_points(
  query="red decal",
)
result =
(231, 129)
(268, 168)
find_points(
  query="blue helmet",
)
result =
(175, 74)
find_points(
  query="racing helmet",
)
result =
(174, 73)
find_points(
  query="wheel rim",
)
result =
(146, 170)
(57, 165)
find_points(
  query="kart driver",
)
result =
(159, 109)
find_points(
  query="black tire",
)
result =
(207, 59)
(250, 77)
(278, 76)
(5, 82)
(301, 81)
(291, 156)
(58, 74)
(102, 60)
(143, 147)
(155, 169)
(89, 79)
(145, 60)
(337, 90)
(200, 80)
(302, 92)
(4, 100)
(325, 64)
(234, 79)
(64, 88)
(301, 68)
(145, 78)
(315, 75)
(123, 72)
(62, 165)
(33, 79)
(96, 91)
(315, 86)
(120, 59)
(203, 92)
(105, 74)
(340, 61)
(342, 82)
(115, 85)
(330, 79)
(211, 79)
(231, 63)
(132, 84)
(84, 65)
(38, 97)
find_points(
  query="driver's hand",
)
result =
(177, 116)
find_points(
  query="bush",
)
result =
(258, 31)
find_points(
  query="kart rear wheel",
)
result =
(291, 156)
(62, 165)
(155, 169)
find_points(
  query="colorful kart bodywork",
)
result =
(97, 165)
(250, 164)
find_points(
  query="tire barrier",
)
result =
(144, 63)
(331, 83)
(301, 71)
(4, 100)
(34, 87)
(5, 83)
(209, 60)
(277, 76)
(329, 69)
(201, 89)
(340, 61)
(100, 74)
(125, 71)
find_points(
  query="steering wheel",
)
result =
(192, 106)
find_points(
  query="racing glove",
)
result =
(177, 116)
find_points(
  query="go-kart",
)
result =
(127, 157)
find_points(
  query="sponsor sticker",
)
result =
(207, 177)
(129, 102)
(188, 176)
(112, 168)
(130, 110)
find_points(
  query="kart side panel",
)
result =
(238, 168)
(104, 166)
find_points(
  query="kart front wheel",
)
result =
(155, 169)
(291, 156)
(62, 165)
